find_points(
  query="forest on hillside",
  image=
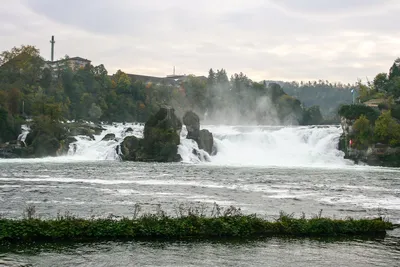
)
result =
(328, 96)
(31, 89)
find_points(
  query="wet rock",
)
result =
(160, 142)
(192, 122)
(130, 148)
(129, 130)
(204, 138)
(45, 145)
(206, 141)
(108, 137)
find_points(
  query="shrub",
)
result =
(353, 112)
(387, 130)
(228, 224)
(362, 131)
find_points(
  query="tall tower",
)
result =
(52, 47)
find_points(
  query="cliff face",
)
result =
(374, 155)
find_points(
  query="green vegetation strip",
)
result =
(186, 227)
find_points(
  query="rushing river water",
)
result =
(307, 174)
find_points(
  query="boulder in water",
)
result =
(192, 123)
(45, 145)
(131, 148)
(13, 149)
(160, 142)
(203, 138)
(108, 137)
(206, 141)
(129, 130)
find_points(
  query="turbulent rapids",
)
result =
(236, 145)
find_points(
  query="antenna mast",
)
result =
(52, 47)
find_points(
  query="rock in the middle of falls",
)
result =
(203, 138)
(160, 142)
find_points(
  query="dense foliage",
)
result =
(29, 87)
(354, 112)
(328, 96)
(185, 227)
(379, 124)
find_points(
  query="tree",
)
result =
(380, 82)
(387, 130)
(14, 99)
(395, 69)
(211, 78)
(196, 91)
(362, 131)
(393, 86)
(30, 50)
(123, 82)
(312, 116)
(95, 112)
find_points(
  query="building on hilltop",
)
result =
(75, 63)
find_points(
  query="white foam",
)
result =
(389, 202)
(279, 146)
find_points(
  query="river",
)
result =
(262, 170)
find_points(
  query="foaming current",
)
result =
(302, 146)
(278, 146)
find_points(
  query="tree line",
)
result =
(29, 88)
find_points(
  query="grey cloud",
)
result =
(355, 7)
(265, 39)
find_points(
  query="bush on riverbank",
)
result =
(159, 226)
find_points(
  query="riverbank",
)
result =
(161, 227)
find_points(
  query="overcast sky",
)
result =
(332, 40)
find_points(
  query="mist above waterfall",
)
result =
(240, 101)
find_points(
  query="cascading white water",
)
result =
(24, 133)
(274, 146)
(278, 146)
(88, 149)
(236, 145)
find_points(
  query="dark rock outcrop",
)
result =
(13, 149)
(160, 142)
(192, 123)
(108, 137)
(203, 138)
(130, 148)
(206, 141)
(45, 145)
(83, 128)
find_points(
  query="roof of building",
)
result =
(68, 59)
(374, 102)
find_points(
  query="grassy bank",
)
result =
(186, 227)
